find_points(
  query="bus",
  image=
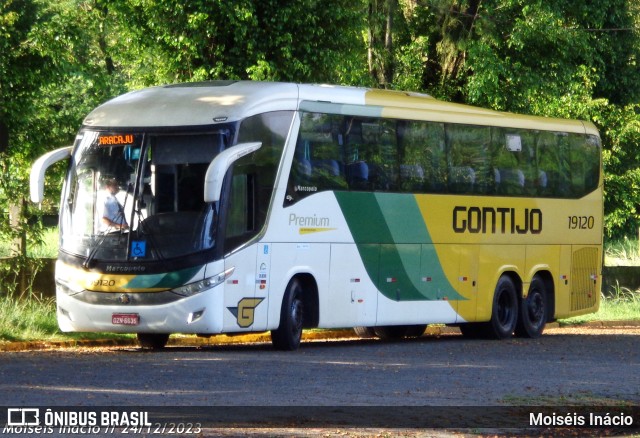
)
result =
(229, 207)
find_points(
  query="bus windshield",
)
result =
(140, 195)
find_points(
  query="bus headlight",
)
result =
(200, 286)
(68, 288)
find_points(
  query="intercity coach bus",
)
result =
(238, 206)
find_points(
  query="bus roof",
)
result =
(207, 103)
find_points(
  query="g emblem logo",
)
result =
(246, 310)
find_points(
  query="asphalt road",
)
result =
(445, 370)
(592, 367)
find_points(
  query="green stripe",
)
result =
(167, 280)
(395, 246)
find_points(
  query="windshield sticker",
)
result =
(138, 248)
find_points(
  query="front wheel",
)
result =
(504, 315)
(289, 334)
(533, 311)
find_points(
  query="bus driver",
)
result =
(113, 212)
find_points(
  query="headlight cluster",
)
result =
(68, 288)
(200, 286)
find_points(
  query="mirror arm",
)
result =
(219, 166)
(36, 179)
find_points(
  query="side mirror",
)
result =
(219, 166)
(36, 179)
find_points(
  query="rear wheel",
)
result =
(153, 341)
(394, 332)
(364, 332)
(288, 335)
(390, 332)
(415, 331)
(533, 310)
(504, 314)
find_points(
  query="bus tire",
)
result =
(364, 332)
(395, 332)
(533, 310)
(390, 332)
(504, 313)
(415, 331)
(153, 341)
(288, 335)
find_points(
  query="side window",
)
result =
(344, 152)
(318, 158)
(371, 154)
(552, 158)
(569, 162)
(423, 158)
(253, 176)
(585, 163)
(512, 162)
(469, 164)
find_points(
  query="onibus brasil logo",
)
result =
(36, 420)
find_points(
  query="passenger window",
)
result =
(423, 159)
(371, 154)
(585, 164)
(512, 162)
(469, 163)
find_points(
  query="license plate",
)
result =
(125, 319)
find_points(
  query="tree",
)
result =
(291, 40)
(22, 71)
(380, 34)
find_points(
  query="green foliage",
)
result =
(620, 128)
(294, 40)
(26, 319)
(563, 58)
(34, 319)
(620, 304)
(560, 58)
(622, 252)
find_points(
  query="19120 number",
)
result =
(581, 222)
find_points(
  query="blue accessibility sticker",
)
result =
(138, 248)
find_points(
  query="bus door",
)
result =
(246, 289)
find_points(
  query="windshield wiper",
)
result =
(109, 231)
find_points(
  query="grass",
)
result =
(35, 318)
(48, 248)
(621, 304)
(622, 252)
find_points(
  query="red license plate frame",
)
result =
(131, 319)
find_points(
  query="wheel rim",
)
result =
(535, 308)
(506, 309)
(296, 316)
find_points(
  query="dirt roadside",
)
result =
(591, 328)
